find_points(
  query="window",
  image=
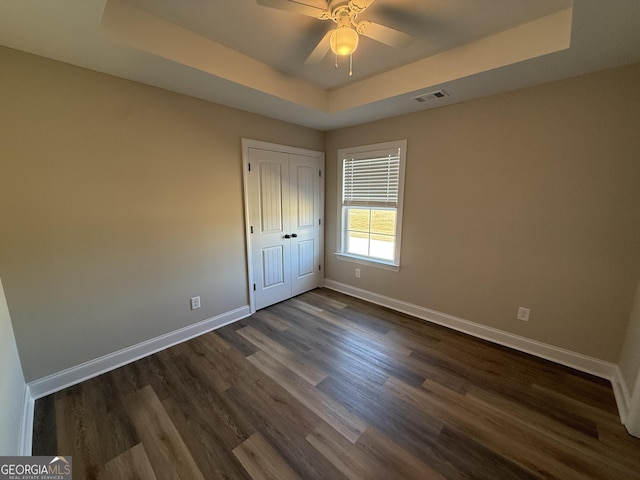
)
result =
(370, 203)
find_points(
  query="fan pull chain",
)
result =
(351, 65)
(337, 33)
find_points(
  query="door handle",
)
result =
(287, 236)
(294, 235)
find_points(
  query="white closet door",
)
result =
(283, 203)
(269, 214)
(304, 220)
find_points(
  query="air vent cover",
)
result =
(427, 97)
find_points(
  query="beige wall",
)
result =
(529, 198)
(118, 202)
(12, 385)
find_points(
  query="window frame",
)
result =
(373, 151)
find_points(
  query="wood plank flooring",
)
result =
(325, 386)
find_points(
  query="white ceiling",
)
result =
(251, 57)
(283, 40)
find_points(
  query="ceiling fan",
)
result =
(342, 40)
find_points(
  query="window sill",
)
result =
(368, 261)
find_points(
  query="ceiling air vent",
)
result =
(427, 97)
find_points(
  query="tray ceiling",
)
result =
(244, 55)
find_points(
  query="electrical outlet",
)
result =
(195, 303)
(523, 314)
(357, 273)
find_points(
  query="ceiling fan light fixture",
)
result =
(344, 40)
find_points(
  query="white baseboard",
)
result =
(632, 420)
(71, 376)
(26, 427)
(621, 391)
(583, 363)
(632, 423)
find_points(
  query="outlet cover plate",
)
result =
(195, 303)
(523, 314)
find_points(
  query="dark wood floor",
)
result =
(325, 386)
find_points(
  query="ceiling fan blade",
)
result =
(321, 49)
(387, 35)
(293, 6)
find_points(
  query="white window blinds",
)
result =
(371, 181)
